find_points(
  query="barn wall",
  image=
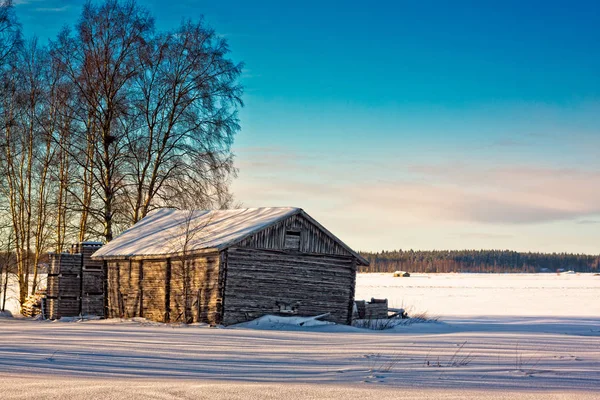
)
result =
(123, 289)
(260, 282)
(153, 289)
(312, 239)
(203, 294)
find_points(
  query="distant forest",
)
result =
(499, 261)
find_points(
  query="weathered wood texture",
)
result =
(376, 309)
(62, 307)
(201, 296)
(75, 283)
(154, 289)
(63, 285)
(312, 240)
(123, 289)
(260, 282)
(142, 289)
(64, 263)
(93, 279)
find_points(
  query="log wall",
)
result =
(123, 289)
(260, 282)
(154, 289)
(203, 296)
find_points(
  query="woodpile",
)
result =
(375, 309)
(34, 305)
(93, 279)
(64, 285)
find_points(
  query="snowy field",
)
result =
(475, 295)
(500, 337)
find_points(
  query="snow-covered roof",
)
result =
(169, 231)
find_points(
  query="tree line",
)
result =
(107, 121)
(487, 261)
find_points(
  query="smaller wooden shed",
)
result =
(229, 266)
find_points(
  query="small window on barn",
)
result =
(292, 240)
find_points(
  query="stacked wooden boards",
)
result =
(75, 283)
(93, 279)
(64, 285)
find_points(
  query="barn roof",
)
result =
(169, 232)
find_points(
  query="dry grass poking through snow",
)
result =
(381, 324)
(460, 358)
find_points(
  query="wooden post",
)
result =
(105, 288)
(168, 291)
(198, 300)
(118, 292)
(352, 291)
(222, 283)
(141, 288)
(81, 283)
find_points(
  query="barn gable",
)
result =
(298, 232)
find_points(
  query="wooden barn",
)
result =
(229, 266)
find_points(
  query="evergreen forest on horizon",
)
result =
(483, 261)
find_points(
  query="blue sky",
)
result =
(412, 124)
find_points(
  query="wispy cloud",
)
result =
(484, 235)
(383, 203)
(52, 9)
(451, 192)
(20, 2)
(509, 195)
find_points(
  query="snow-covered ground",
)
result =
(532, 350)
(471, 295)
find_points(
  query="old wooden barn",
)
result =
(229, 266)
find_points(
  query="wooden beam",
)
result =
(168, 290)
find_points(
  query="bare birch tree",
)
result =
(25, 162)
(7, 264)
(186, 102)
(101, 62)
